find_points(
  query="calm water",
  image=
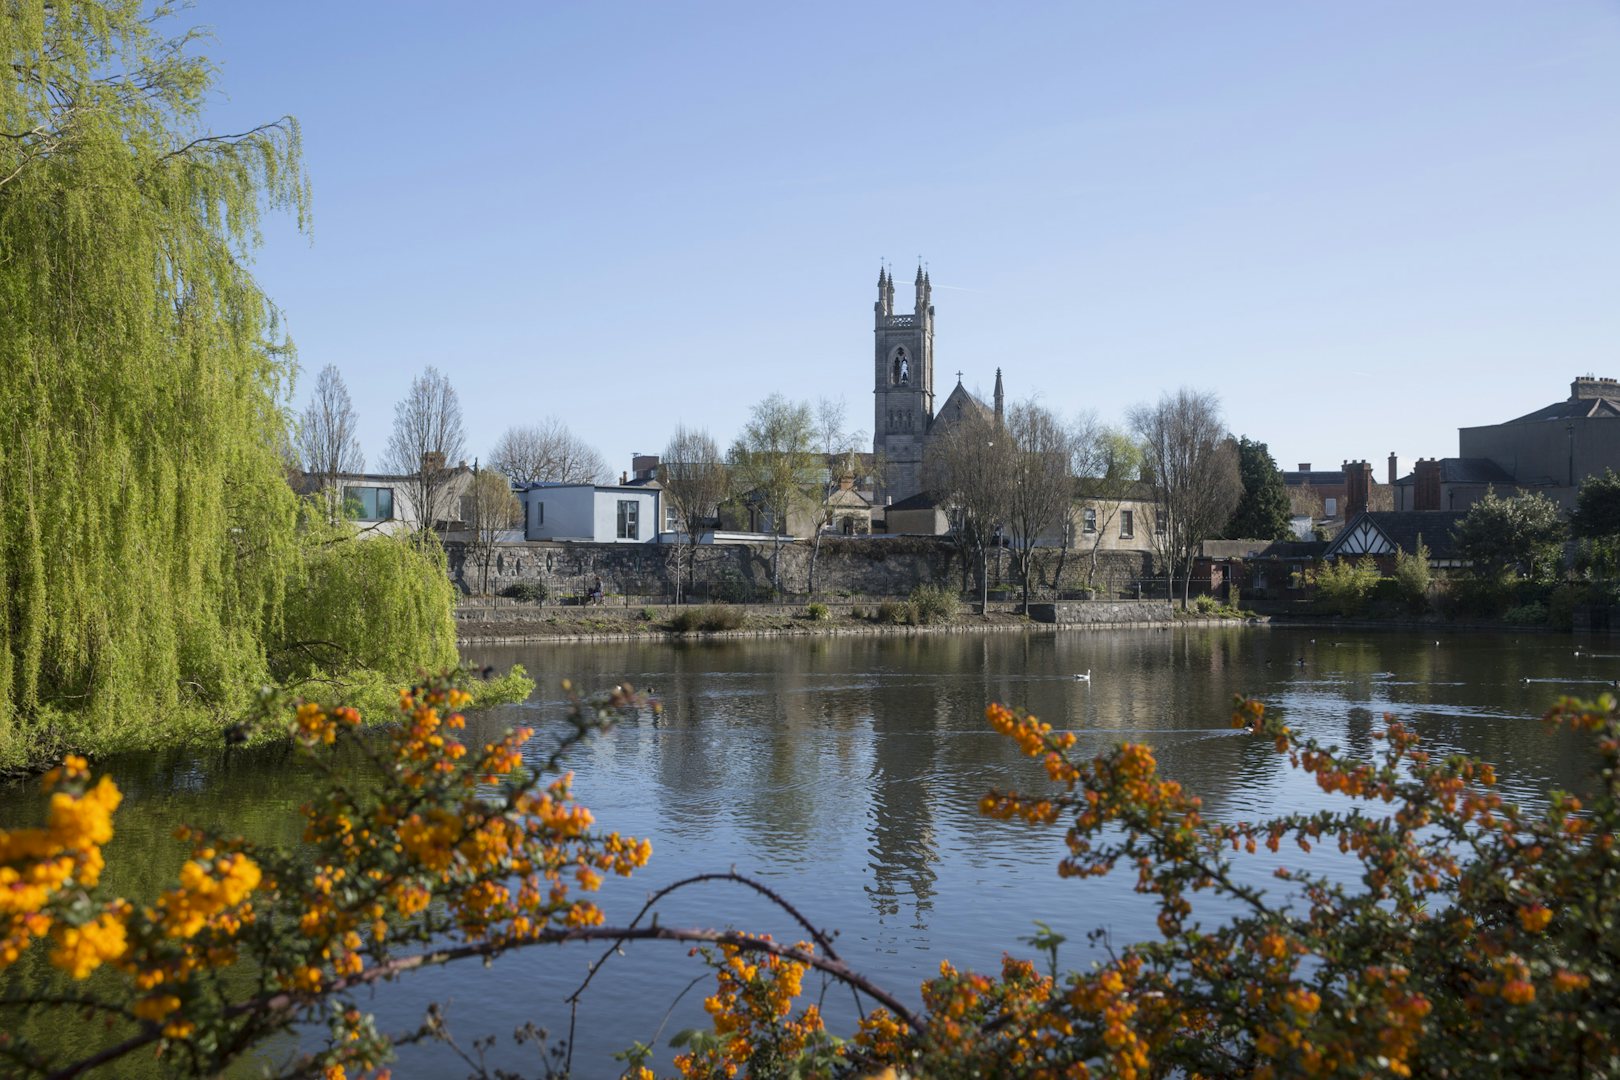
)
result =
(845, 773)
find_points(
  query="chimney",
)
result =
(1304, 466)
(1426, 486)
(624, 478)
(644, 466)
(1394, 473)
(432, 462)
(1587, 387)
(1357, 482)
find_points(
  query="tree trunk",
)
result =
(815, 550)
(984, 580)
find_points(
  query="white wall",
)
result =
(607, 514)
(586, 512)
(568, 514)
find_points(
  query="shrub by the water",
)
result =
(933, 604)
(895, 613)
(532, 592)
(817, 612)
(707, 619)
(1344, 585)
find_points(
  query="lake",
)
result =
(845, 773)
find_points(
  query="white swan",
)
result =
(1086, 677)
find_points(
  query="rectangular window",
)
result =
(1127, 524)
(1331, 507)
(370, 503)
(672, 520)
(539, 514)
(1088, 520)
(627, 519)
(1158, 524)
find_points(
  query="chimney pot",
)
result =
(1304, 466)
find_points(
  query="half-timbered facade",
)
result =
(1381, 533)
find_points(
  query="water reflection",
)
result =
(846, 772)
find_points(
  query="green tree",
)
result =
(1519, 535)
(1596, 521)
(1262, 510)
(146, 528)
(774, 463)
(153, 570)
(1413, 577)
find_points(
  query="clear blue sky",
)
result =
(1362, 223)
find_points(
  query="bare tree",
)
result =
(547, 452)
(1108, 463)
(696, 481)
(966, 470)
(1041, 492)
(774, 462)
(327, 443)
(1193, 469)
(840, 450)
(426, 443)
(490, 509)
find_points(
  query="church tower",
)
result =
(903, 386)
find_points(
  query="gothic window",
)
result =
(900, 370)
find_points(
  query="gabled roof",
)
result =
(1382, 532)
(958, 404)
(848, 498)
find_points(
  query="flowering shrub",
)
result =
(1474, 937)
(460, 846)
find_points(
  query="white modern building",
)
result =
(603, 513)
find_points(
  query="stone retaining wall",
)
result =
(1103, 613)
(846, 568)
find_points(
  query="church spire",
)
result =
(885, 300)
(1001, 399)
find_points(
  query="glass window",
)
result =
(1088, 520)
(1127, 524)
(1158, 523)
(539, 514)
(627, 519)
(370, 503)
(1331, 506)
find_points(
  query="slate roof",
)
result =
(1293, 549)
(1314, 478)
(1465, 471)
(1405, 527)
(958, 401)
(1573, 409)
(920, 501)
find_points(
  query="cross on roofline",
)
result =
(959, 375)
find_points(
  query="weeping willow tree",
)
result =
(148, 538)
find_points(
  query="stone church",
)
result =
(904, 418)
